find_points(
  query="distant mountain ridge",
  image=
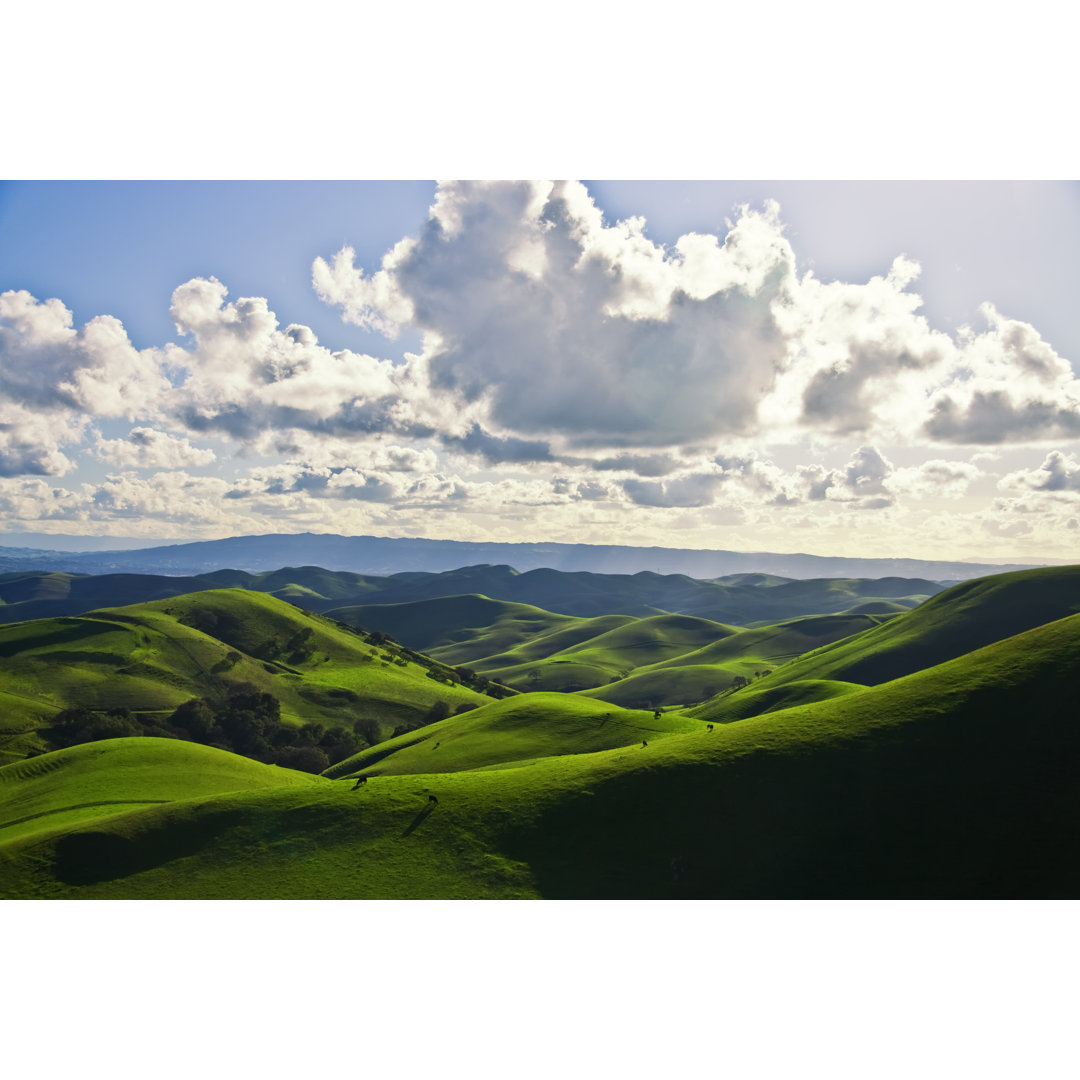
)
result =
(35, 594)
(383, 556)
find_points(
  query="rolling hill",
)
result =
(955, 781)
(956, 621)
(149, 658)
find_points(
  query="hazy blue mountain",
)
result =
(383, 556)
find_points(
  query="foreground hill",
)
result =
(957, 781)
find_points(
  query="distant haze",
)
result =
(384, 556)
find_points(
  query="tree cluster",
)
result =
(244, 720)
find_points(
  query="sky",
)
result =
(845, 368)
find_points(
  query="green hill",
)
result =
(637, 663)
(740, 599)
(519, 730)
(462, 627)
(102, 779)
(733, 653)
(149, 658)
(754, 701)
(952, 782)
(960, 619)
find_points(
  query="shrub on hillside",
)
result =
(72, 727)
(338, 744)
(439, 711)
(304, 758)
(201, 619)
(368, 729)
(196, 718)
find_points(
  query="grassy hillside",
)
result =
(965, 617)
(594, 654)
(149, 658)
(101, 779)
(694, 674)
(952, 782)
(462, 629)
(765, 698)
(640, 663)
(521, 729)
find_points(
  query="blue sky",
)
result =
(841, 368)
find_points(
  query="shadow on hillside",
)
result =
(88, 858)
(973, 797)
(418, 820)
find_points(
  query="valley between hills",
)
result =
(484, 733)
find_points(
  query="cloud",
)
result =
(26, 499)
(935, 479)
(498, 449)
(146, 448)
(1059, 473)
(1009, 386)
(862, 482)
(642, 464)
(46, 364)
(53, 378)
(559, 325)
(30, 440)
(244, 376)
(698, 489)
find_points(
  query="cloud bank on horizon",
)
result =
(575, 381)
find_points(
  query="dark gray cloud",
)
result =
(498, 449)
(642, 464)
(994, 417)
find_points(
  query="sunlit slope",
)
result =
(954, 782)
(67, 787)
(459, 630)
(151, 657)
(754, 701)
(956, 621)
(601, 657)
(697, 674)
(657, 660)
(521, 728)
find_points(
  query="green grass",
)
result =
(960, 619)
(957, 781)
(523, 728)
(754, 701)
(953, 781)
(147, 658)
(657, 660)
(71, 786)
